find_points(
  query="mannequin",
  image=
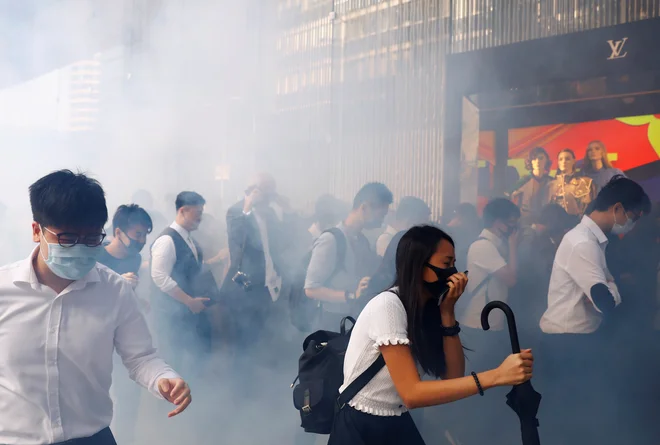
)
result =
(596, 165)
(531, 193)
(572, 191)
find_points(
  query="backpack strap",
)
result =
(362, 238)
(481, 285)
(488, 277)
(340, 261)
(485, 281)
(359, 383)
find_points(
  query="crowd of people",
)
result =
(581, 279)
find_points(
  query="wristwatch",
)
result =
(349, 295)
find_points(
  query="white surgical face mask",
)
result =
(70, 263)
(622, 229)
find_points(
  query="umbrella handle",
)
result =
(510, 319)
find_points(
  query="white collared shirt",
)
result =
(163, 258)
(57, 353)
(579, 265)
(485, 257)
(384, 240)
(273, 280)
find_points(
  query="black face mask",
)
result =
(437, 288)
(133, 246)
(509, 230)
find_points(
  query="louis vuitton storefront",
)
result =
(558, 93)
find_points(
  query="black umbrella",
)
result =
(522, 399)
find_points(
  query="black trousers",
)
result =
(353, 427)
(580, 378)
(250, 317)
(103, 437)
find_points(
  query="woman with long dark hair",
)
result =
(414, 327)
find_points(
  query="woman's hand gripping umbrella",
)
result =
(522, 399)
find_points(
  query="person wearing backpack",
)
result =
(337, 282)
(413, 328)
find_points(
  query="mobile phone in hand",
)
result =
(444, 294)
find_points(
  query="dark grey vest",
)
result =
(185, 272)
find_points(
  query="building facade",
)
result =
(356, 87)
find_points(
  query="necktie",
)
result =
(192, 246)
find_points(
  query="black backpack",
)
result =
(304, 311)
(321, 373)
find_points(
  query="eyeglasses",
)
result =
(71, 239)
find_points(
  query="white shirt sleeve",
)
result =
(388, 323)
(135, 347)
(163, 257)
(484, 255)
(322, 262)
(586, 266)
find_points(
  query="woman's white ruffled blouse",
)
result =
(382, 322)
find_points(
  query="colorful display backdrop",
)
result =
(633, 145)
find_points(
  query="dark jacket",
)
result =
(246, 247)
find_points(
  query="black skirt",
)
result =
(353, 427)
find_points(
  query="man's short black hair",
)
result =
(374, 193)
(631, 195)
(499, 209)
(189, 199)
(412, 208)
(67, 199)
(131, 215)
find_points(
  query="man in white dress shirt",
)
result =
(178, 303)
(62, 315)
(579, 354)
(582, 289)
(492, 265)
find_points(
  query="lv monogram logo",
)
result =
(617, 48)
